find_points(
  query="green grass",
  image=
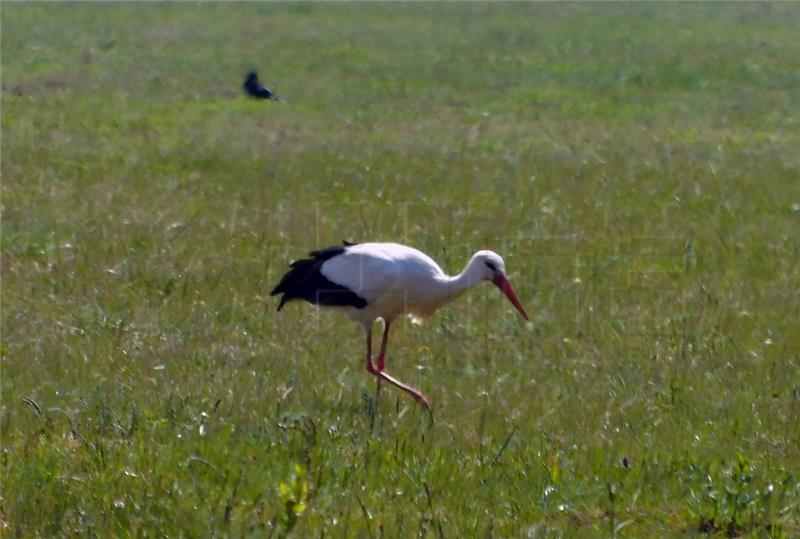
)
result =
(636, 165)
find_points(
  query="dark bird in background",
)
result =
(255, 89)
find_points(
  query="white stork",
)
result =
(383, 280)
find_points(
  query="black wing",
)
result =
(305, 281)
(254, 88)
(263, 92)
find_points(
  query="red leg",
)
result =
(407, 388)
(369, 350)
(381, 363)
(378, 371)
(370, 367)
(382, 355)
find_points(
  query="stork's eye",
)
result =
(491, 266)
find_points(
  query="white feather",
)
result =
(396, 279)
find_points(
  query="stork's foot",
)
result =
(383, 375)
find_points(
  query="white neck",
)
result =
(453, 286)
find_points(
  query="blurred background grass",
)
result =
(636, 165)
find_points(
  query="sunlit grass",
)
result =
(636, 165)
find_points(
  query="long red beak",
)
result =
(502, 283)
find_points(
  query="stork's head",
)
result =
(490, 266)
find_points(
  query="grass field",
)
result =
(636, 165)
